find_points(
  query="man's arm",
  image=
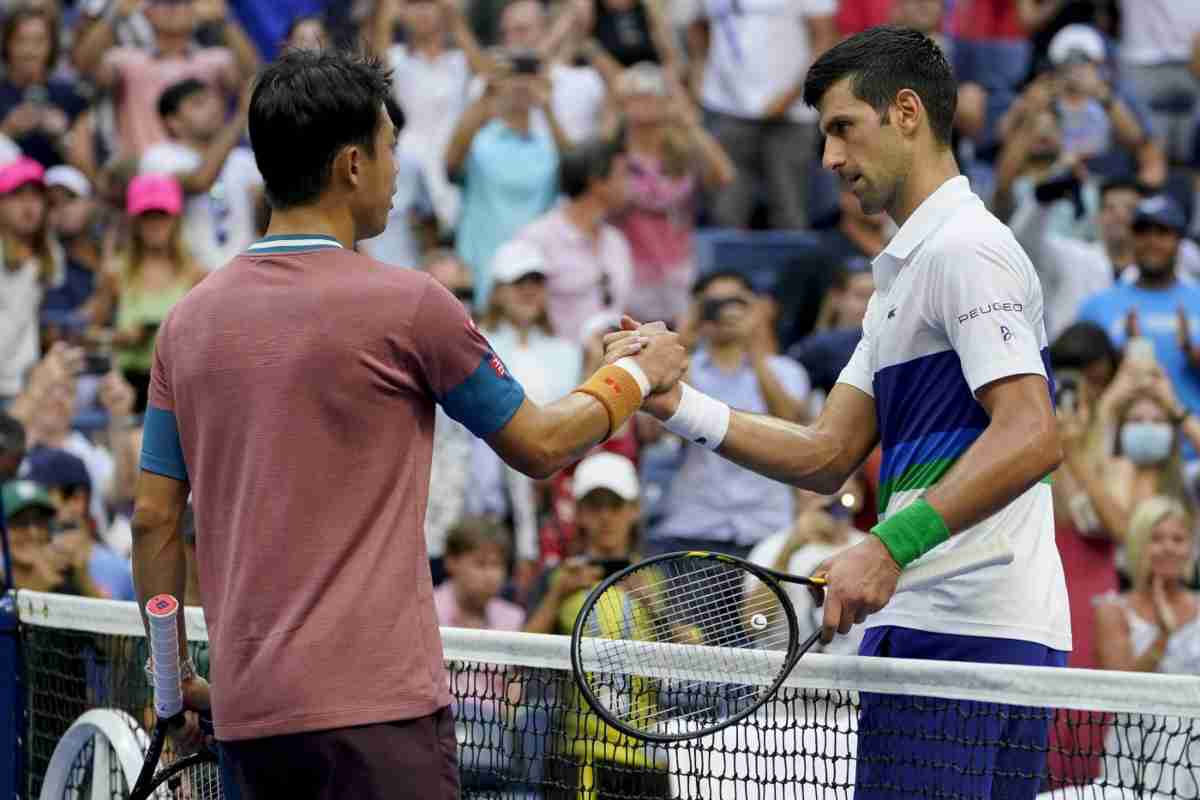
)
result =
(478, 60)
(96, 39)
(818, 457)
(458, 148)
(1018, 448)
(475, 388)
(382, 26)
(159, 562)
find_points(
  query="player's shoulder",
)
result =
(978, 242)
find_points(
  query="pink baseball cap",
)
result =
(16, 174)
(153, 192)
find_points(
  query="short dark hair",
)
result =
(1080, 345)
(880, 63)
(1119, 182)
(702, 284)
(471, 533)
(306, 107)
(586, 162)
(174, 95)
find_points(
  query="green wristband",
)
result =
(912, 532)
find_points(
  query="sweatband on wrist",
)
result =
(699, 418)
(618, 391)
(635, 369)
(912, 532)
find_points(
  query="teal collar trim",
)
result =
(293, 244)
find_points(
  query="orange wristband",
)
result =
(617, 390)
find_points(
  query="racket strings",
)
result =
(683, 642)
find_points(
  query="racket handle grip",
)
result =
(162, 611)
(996, 551)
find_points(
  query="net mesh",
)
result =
(839, 727)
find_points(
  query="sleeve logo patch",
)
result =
(498, 366)
(988, 308)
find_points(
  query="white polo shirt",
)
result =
(758, 50)
(957, 306)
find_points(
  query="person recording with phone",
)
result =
(508, 167)
(606, 491)
(1158, 306)
(36, 111)
(713, 504)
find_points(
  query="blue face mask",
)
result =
(1146, 443)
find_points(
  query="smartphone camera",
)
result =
(526, 64)
(710, 310)
(1066, 391)
(96, 363)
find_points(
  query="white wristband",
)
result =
(639, 374)
(699, 418)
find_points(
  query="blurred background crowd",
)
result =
(563, 163)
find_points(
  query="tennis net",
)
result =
(524, 734)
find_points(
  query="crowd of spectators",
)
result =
(564, 163)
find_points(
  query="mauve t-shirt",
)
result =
(303, 380)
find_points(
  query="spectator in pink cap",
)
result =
(151, 274)
(28, 267)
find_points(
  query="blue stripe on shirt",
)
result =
(928, 395)
(487, 399)
(162, 452)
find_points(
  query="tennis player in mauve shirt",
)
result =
(293, 395)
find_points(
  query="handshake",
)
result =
(662, 358)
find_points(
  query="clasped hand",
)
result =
(658, 351)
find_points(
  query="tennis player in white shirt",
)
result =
(951, 378)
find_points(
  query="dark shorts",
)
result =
(929, 746)
(414, 758)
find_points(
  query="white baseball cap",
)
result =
(69, 178)
(1076, 40)
(605, 470)
(515, 259)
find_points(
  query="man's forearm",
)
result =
(803, 456)
(244, 52)
(159, 562)
(204, 176)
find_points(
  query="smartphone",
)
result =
(526, 64)
(1066, 390)
(1057, 187)
(1140, 349)
(610, 566)
(710, 310)
(97, 363)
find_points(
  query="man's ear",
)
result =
(348, 165)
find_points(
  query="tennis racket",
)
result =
(190, 777)
(684, 644)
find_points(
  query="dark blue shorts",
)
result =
(933, 747)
